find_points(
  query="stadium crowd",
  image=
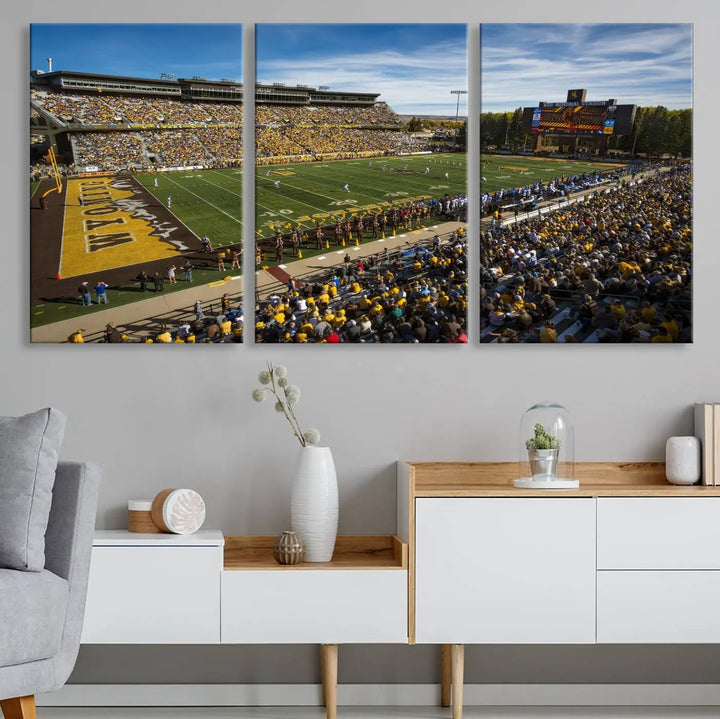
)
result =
(505, 199)
(616, 266)
(302, 133)
(216, 147)
(108, 150)
(176, 148)
(148, 132)
(372, 225)
(97, 109)
(212, 322)
(74, 107)
(323, 140)
(377, 115)
(416, 295)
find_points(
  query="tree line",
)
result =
(656, 131)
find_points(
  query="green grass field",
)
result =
(209, 202)
(68, 307)
(314, 191)
(506, 171)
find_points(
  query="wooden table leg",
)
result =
(329, 653)
(322, 674)
(19, 708)
(446, 676)
(458, 670)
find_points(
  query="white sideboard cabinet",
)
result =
(206, 588)
(625, 559)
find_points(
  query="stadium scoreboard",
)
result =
(579, 117)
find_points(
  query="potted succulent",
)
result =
(543, 451)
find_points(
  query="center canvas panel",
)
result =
(136, 183)
(361, 183)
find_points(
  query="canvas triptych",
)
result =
(580, 221)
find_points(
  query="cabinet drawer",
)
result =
(658, 533)
(308, 606)
(153, 595)
(653, 607)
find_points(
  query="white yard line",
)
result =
(237, 194)
(219, 209)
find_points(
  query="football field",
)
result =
(302, 195)
(208, 202)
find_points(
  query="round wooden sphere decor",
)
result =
(179, 511)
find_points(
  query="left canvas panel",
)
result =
(136, 183)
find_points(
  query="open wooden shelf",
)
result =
(597, 479)
(351, 552)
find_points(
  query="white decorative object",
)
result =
(180, 511)
(314, 503)
(551, 483)
(682, 460)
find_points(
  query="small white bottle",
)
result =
(682, 460)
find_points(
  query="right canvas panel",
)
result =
(586, 183)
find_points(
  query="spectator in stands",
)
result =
(617, 264)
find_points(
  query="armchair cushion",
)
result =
(29, 448)
(32, 615)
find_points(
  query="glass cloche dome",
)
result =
(546, 448)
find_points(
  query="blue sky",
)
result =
(412, 66)
(642, 64)
(140, 50)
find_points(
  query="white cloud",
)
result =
(408, 82)
(648, 67)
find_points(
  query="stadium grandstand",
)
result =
(102, 123)
(298, 124)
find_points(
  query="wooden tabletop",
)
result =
(597, 479)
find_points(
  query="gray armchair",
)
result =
(41, 613)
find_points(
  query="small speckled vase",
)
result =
(288, 548)
(682, 460)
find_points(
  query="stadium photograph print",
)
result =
(586, 183)
(361, 227)
(136, 183)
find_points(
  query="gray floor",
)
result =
(383, 713)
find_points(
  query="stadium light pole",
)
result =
(457, 110)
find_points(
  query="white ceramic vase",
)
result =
(682, 460)
(314, 503)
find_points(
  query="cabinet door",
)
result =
(153, 595)
(505, 570)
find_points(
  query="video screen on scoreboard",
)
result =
(574, 118)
